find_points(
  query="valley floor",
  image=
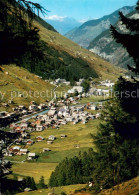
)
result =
(78, 134)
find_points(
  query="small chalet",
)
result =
(23, 151)
(93, 107)
(51, 137)
(76, 146)
(49, 142)
(16, 149)
(32, 107)
(38, 122)
(31, 156)
(39, 128)
(63, 136)
(39, 139)
(29, 142)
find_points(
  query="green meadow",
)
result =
(78, 134)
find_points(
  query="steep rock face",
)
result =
(91, 29)
(107, 48)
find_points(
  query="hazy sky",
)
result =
(82, 9)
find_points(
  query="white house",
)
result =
(23, 151)
(31, 156)
(32, 107)
(39, 128)
(51, 137)
(80, 89)
(93, 107)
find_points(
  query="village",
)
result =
(51, 115)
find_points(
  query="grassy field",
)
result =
(92, 98)
(130, 187)
(15, 80)
(61, 148)
(35, 170)
(67, 189)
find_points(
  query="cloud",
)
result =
(55, 17)
(87, 19)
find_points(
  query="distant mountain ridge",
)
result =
(64, 25)
(106, 47)
(91, 29)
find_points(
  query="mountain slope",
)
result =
(64, 24)
(49, 55)
(61, 44)
(91, 29)
(106, 47)
(15, 81)
(130, 187)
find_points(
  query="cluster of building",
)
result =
(107, 83)
(55, 117)
(59, 113)
(20, 111)
(63, 81)
(32, 107)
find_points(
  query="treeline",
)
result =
(75, 170)
(20, 43)
(13, 186)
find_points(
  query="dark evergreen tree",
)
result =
(130, 40)
(33, 184)
(86, 86)
(116, 156)
(28, 182)
(42, 183)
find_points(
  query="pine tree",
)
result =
(28, 182)
(116, 156)
(130, 40)
(33, 184)
(42, 183)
